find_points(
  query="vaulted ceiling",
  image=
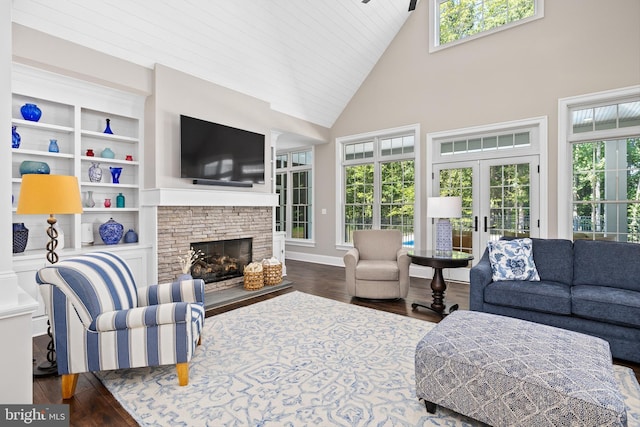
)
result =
(306, 58)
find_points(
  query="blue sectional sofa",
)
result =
(586, 286)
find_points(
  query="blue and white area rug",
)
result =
(298, 360)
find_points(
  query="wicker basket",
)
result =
(272, 274)
(253, 280)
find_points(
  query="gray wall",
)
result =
(580, 46)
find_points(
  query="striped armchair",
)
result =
(101, 320)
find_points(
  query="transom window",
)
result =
(606, 117)
(461, 20)
(294, 187)
(379, 185)
(487, 143)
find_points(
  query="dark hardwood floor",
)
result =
(93, 405)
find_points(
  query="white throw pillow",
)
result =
(512, 260)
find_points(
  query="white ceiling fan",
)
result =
(412, 4)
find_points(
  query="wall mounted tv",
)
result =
(216, 154)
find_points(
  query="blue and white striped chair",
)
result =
(101, 320)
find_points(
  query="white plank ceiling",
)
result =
(306, 58)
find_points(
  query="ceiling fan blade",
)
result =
(412, 4)
(365, 1)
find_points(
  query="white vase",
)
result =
(87, 233)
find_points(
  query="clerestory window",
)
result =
(457, 21)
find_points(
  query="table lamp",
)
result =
(53, 195)
(444, 208)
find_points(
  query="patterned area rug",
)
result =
(298, 360)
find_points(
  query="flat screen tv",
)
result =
(216, 154)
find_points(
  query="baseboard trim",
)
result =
(414, 270)
(316, 259)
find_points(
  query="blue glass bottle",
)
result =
(108, 128)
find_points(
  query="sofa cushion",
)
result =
(606, 263)
(546, 297)
(553, 258)
(512, 260)
(611, 305)
(377, 270)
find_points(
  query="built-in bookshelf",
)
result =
(75, 114)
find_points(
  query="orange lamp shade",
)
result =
(49, 194)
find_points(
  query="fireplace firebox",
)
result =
(222, 259)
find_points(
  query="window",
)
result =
(379, 185)
(487, 143)
(606, 190)
(461, 20)
(294, 188)
(602, 141)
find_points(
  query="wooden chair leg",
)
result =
(69, 382)
(183, 373)
(199, 340)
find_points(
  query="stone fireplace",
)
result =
(180, 226)
(221, 259)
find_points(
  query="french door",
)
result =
(500, 197)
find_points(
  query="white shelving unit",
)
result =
(74, 113)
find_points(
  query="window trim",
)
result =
(341, 142)
(566, 137)
(435, 46)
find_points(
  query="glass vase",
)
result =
(89, 202)
(31, 112)
(15, 138)
(95, 173)
(108, 128)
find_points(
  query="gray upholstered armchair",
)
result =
(377, 266)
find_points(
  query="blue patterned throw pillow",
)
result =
(512, 260)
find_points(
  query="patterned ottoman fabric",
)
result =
(507, 372)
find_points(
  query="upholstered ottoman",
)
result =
(507, 372)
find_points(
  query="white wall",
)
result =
(15, 306)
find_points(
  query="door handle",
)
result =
(485, 224)
(475, 223)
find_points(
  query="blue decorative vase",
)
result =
(31, 166)
(131, 236)
(95, 173)
(31, 112)
(107, 153)
(108, 128)
(184, 276)
(111, 232)
(120, 200)
(115, 175)
(20, 237)
(15, 138)
(53, 146)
